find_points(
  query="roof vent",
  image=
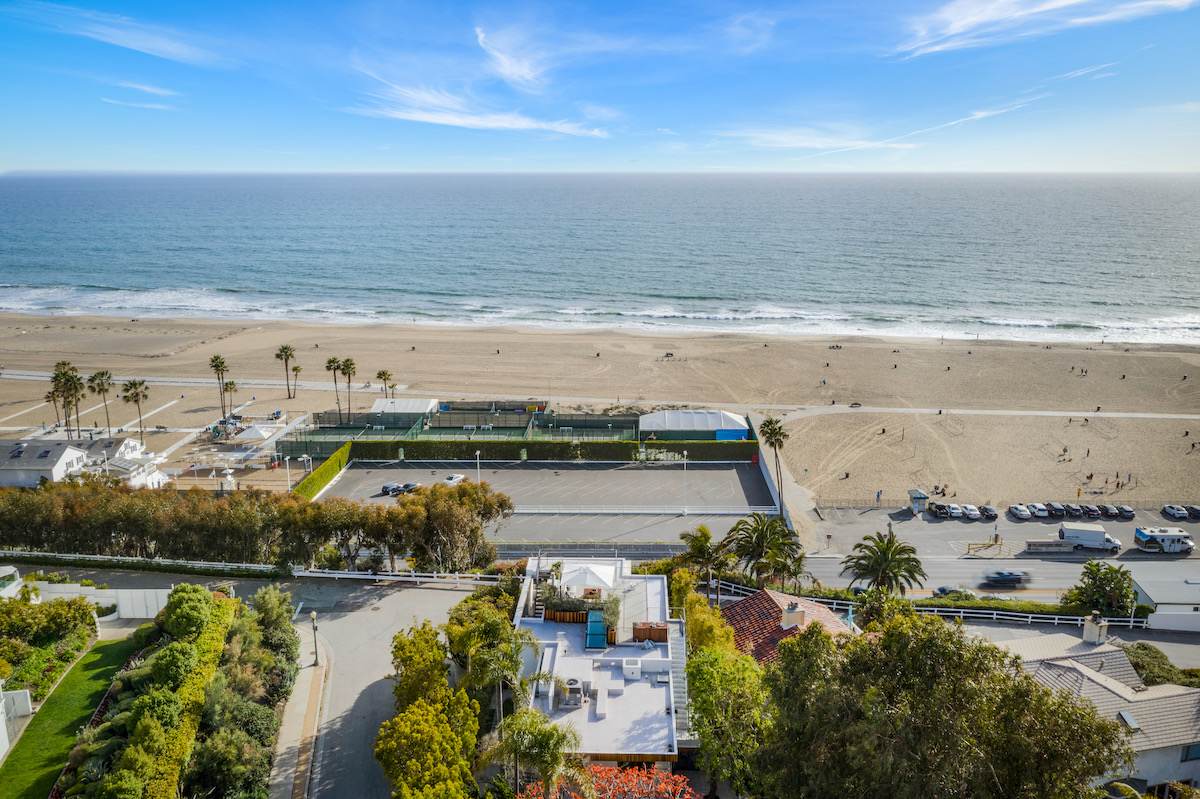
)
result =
(1128, 720)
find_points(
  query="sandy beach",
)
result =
(1011, 455)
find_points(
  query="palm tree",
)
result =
(546, 748)
(296, 370)
(885, 562)
(384, 377)
(63, 384)
(773, 435)
(230, 388)
(75, 388)
(705, 555)
(52, 398)
(784, 568)
(756, 539)
(217, 364)
(135, 391)
(502, 664)
(348, 371)
(285, 353)
(335, 365)
(101, 383)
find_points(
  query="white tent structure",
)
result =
(720, 425)
(590, 576)
(404, 405)
(254, 433)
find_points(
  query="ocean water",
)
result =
(1046, 257)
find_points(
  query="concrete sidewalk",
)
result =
(295, 748)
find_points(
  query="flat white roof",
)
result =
(404, 405)
(693, 420)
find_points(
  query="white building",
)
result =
(708, 425)
(1163, 720)
(625, 699)
(26, 463)
(10, 582)
(1176, 600)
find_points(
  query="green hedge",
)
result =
(375, 450)
(607, 450)
(704, 450)
(311, 486)
(144, 565)
(164, 782)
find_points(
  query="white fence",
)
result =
(150, 563)
(418, 578)
(648, 510)
(966, 614)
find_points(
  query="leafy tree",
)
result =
(102, 383)
(729, 715)
(759, 539)
(135, 391)
(772, 434)
(174, 662)
(217, 364)
(285, 353)
(536, 744)
(1155, 668)
(877, 606)
(885, 562)
(921, 709)
(1104, 587)
(392, 527)
(419, 658)
(702, 553)
(705, 627)
(429, 745)
(452, 536)
(681, 585)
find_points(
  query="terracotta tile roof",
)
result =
(756, 622)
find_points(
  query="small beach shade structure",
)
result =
(588, 576)
(253, 433)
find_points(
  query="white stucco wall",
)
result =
(1157, 766)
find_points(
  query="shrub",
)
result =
(159, 703)
(329, 557)
(1155, 668)
(226, 764)
(121, 784)
(188, 610)
(274, 609)
(145, 635)
(259, 722)
(106, 610)
(173, 663)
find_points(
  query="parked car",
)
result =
(956, 591)
(1193, 511)
(1126, 511)
(938, 510)
(1004, 577)
(971, 512)
(454, 479)
(1175, 511)
(407, 488)
(988, 512)
(1074, 511)
(390, 487)
(1057, 510)
(955, 510)
(1038, 509)
(1109, 511)
(1020, 511)
(1091, 511)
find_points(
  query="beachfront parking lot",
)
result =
(569, 486)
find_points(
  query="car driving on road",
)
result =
(1004, 577)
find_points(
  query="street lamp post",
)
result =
(477, 480)
(288, 467)
(685, 482)
(316, 649)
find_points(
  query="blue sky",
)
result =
(964, 85)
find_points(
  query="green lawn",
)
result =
(40, 754)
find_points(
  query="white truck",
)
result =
(1163, 539)
(1088, 536)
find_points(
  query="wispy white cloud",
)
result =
(115, 29)
(1079, 73)
(439, 107)
(749, 32)
(145, 87)
(152, 106)
(593, 111)
(973, 23)
(514, 57)
(1186, 108)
